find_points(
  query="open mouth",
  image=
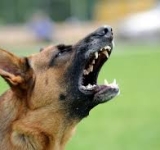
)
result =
(88, 81)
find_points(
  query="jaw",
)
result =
(88, 78)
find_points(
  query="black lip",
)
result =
(85, 49)
(92, 77)
(83, 100)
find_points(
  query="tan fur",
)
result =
(50, 92)
(33, 118)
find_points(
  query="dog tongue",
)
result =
(103, 93)
(107, 87)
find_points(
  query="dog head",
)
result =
(63, 77)
(51, 91)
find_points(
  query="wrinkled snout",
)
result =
(105, 31)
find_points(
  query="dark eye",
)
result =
(59, 54)
(41, 49)
(63, 49)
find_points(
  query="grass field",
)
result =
(132, 120)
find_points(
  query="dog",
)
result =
(52, 91)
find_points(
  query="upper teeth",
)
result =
(93, 62)
(104, 51)
(91, 68)
(96, 55)
(85, 72)
(107, 48)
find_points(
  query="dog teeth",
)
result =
(88, 87)
(106, 53)
(113, 84)
(93, 62)
(105, 82)
(107, 48)
(114, 81)
(83, 87)
(91, 68)
(85, 72)
(96, 55)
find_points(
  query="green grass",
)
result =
(132, 120)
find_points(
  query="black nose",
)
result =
(105, 31)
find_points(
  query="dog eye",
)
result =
(60, 53)
(63, 49)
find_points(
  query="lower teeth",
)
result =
(113, 84)
(88, 87)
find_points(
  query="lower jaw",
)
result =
(107, 91)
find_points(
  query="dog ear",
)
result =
(12, 68)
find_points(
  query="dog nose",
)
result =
(106, 31)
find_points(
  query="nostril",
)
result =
(106, 30)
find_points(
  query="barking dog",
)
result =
(50, 92)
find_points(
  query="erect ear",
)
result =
(12, 68)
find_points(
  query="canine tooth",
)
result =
(85, 72)
(88, 70)
(105, 53)
(105, 82)
(96, 55)
(114, 84)
(107, 48)
(114, 81)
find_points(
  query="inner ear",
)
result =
(16, 75)
(13, 69)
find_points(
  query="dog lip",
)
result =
(93, 65)
(88, 79)
(102, 93)
(106, 92)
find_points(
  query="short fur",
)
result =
(43, 105)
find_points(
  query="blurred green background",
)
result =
(131, 120)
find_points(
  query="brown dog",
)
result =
(52, 91)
